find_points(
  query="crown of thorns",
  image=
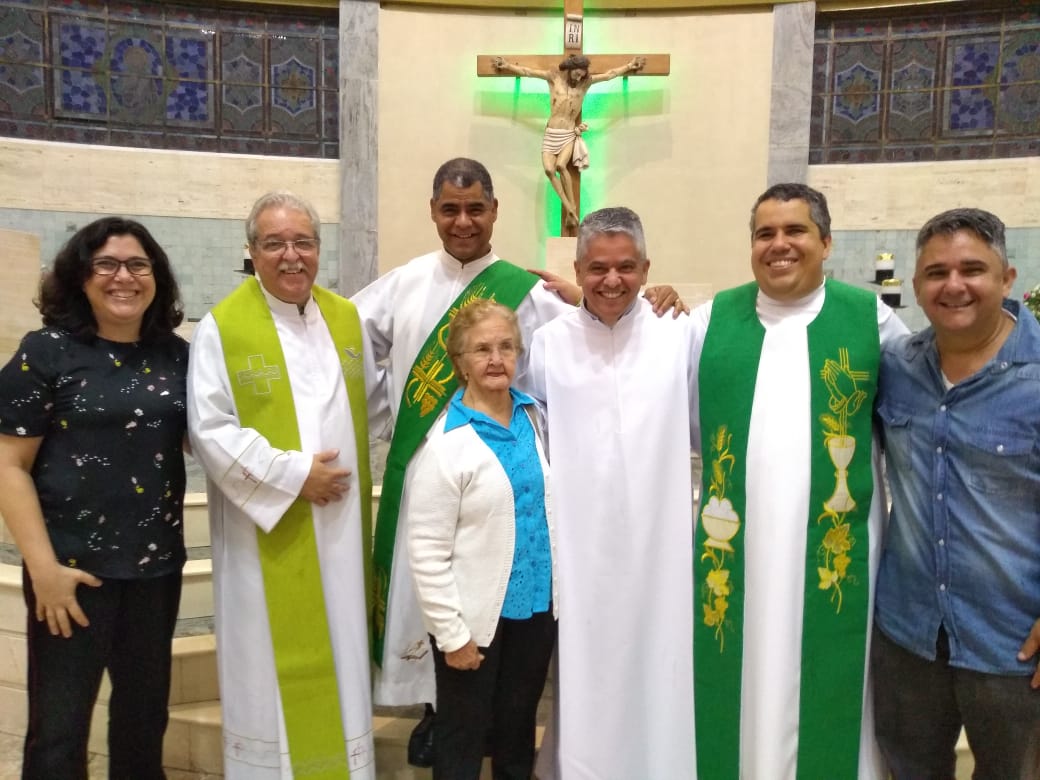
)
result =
(575, 62)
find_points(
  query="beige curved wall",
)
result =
(159, 183)
(906, 195)
(689, 154)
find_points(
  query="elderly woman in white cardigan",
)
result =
(480, 542)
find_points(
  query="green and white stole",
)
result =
(843, 361)
(430, 385)
(289, 553)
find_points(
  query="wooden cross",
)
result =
(601, 67)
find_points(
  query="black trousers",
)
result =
(130, 634)
(502, 695)
(920, 706)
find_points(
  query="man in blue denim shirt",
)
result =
(958, 593)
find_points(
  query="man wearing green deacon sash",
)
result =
(792, 510)
(277, 415)
(405, 313)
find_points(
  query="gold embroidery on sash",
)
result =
(846, 400)
(721, 523)
(433, 371)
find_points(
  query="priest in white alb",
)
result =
(617, 381)
(405, 313)
(792, 510)
(277, 417)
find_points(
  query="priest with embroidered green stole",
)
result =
(278, 418)
(405, 313)
(792, 509)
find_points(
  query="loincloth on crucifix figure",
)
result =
(555, 141)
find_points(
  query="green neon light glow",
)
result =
(526, 101)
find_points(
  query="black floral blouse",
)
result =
(110, 469)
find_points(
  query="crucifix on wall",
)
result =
(564, 154)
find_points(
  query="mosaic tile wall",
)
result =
(206, 254)
(853, 253)
(170, 76)
(959, 81)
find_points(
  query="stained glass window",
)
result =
(170, 76)
(944, 82)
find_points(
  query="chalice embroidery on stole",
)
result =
(846, 400)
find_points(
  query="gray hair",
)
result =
(818, 211)
(468, 317)
(983, 224)
(463, 172)
(280, 199)
(608, 221)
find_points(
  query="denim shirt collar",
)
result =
(1022, 344)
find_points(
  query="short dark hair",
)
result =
(985, 225)
(576, 62)
(818, 211)
(63, 303)
(463, 172)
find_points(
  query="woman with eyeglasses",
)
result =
(480, 545)
(92, 424)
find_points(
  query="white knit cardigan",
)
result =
(461, 528)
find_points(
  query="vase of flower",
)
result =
(1031, 300)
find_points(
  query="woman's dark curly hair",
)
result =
(63, 303)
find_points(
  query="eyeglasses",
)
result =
(303, 246)
(483, 352)
(109, 266)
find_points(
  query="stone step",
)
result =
(193, 679)
(193, 740)
(196, 521)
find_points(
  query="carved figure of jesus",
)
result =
(567, 87)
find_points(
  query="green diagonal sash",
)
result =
(843, 360)
(431, 382)
(288, 554)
